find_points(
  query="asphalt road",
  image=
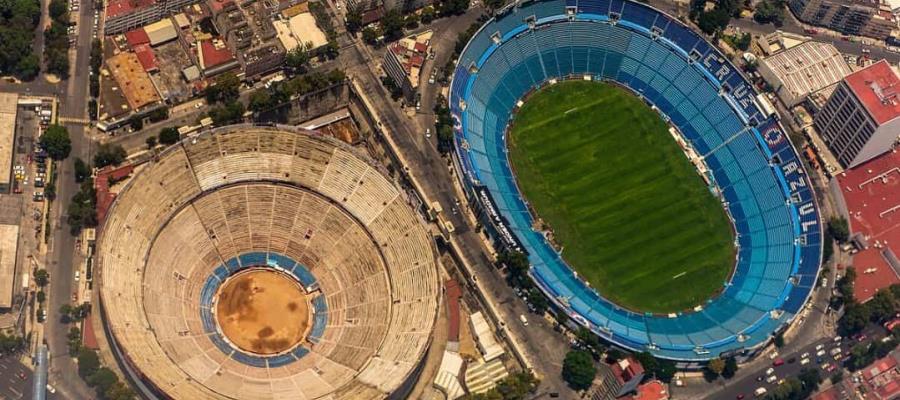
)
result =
(16, 380)
(545, 347)
(749, 383)
(63, 373)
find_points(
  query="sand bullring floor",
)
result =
(262, 311)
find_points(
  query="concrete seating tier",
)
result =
(270, 196)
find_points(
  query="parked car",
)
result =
(778, 362)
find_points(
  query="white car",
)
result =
(820, 346)
(805, 355)
(820, 353)
(804, 361)
(771, 378)
(770, 371)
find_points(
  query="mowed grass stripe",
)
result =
(601, 169)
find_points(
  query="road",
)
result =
(63, 372)
(545, 347)
(750, 382)
(16, 380)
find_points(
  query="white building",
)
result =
(798, 71)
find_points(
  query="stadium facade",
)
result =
(755, 169)
(280, 200)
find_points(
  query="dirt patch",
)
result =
(262, 311)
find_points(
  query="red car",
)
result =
(778, 362)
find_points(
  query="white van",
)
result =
(523, 319)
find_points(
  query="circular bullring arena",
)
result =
(257, 262)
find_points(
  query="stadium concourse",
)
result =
(268, 200)
(756, 171)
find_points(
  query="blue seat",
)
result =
(689, 95)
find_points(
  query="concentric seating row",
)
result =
(754, 166)
(267, 196)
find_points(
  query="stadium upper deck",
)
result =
(761, 180)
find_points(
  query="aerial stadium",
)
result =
(707, 254)
(266, 262)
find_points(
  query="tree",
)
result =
(730, 369)
(261, 100)
(226, 88)
(137, 123)
(28, 67)
(714, 368)
(514, 387)
(517, 265)
(371, 34)
(41, 296)
(845, 285)
(769, 11)
(392, 25)
(169, 136)
(109, 154)
(41, 277)
(494, 4)
(354, 20)
(88, 362)
(297, 60)
(663, 370)
(428, 15)
(713, 21)
(837, 377)
(779, 340)
(855, 318)
(226, 114)
(537, 300)
(82, 170)
(119, 391)
(882, 306)
(57, 142)
(578, 369)
(839, 229)
(102, 379)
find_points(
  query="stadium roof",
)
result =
(878, 88)
(8, 107)
(808, 67)
(871, 193)
(9, 242)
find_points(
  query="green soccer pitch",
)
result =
(631, 213)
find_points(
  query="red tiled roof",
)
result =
(146, 58)
(831, 394)
(453, 294)
(137, 37)
(420, 47)
(88, 338)
(882, 378)
(212, 56)
(871, 191)
(631, 369)
(878, 88)
(101, 186)
(652, 390)
(218, 5)
(416, 60)
(371, 16)
(116, 8)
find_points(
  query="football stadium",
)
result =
(704, 239)
(266, 262)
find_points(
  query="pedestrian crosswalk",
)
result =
(70, 120)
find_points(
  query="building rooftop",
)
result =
(116, 8)
(214, 52)
(652, 390)
(132, 79)
(808, 67)
(161, 31)
(411, 52)
(146, 57)
(136, 37)
(9, 242)
(626, 369)
(300, 29)
(871, 193)
(878, 88)
(8, 109)
(882, 378)
(453, 293)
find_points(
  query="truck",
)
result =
(760, 392)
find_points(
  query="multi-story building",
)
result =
(806, 68)
(261, 60)
(871, 18)
(616, 380)
(861, 119)
(125, 15)
(404, 60)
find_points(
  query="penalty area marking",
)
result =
(683, 273)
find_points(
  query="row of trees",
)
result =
(516, 386)
(56, 39)
(18, 22)
(104, 381)
(323, 21)
(797, 387)
(280, 94)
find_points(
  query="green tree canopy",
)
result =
(41, 277)
(169, 136)
(57, 142)
(109, 154)
(578, 369)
